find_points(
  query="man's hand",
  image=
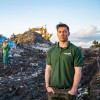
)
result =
(50, 90)
(76, 80)
(72, 91)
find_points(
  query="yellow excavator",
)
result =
(43, 32)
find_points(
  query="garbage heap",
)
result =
(24, 77)
(89, 88)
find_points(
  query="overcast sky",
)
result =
(82, 16)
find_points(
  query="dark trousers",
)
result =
(61, 94)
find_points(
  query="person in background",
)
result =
(63, 67)
(6, 49)
(3, 44)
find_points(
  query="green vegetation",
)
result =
(95, 44)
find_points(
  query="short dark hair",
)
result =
(62, 25)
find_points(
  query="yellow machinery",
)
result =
(15, 37)
(43, 32)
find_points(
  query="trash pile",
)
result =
(24, 77)
(95, 86)
(89, 88)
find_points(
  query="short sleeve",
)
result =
(78, 58)
(48, 58)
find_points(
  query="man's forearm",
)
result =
(47, 75)
(77, 78)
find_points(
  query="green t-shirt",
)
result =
(63, 61)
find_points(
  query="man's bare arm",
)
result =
(76, 81)
(47, 75)
(47, 79)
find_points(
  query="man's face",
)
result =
(62, 34)
(6, 41)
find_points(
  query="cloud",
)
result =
(85, 37)
(83, 44)
(90, 33)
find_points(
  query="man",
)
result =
(6, 49)
(63, 67)
(3, 44)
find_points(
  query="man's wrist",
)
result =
(74, 89)
(47, 86)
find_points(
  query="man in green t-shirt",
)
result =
(63, 67)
